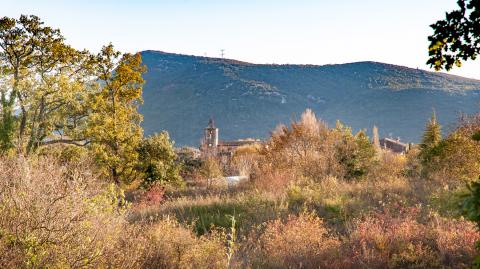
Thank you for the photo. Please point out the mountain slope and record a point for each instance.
(248, 100)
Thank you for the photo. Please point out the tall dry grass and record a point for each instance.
(54, 215)
(297, 242)
(61, 215)
(381, 240)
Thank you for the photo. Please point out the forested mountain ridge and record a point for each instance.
(249, 100)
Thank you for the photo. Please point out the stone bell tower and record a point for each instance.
(210, 138)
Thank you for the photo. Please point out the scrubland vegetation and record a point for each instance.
(80, 187)
(318, 197)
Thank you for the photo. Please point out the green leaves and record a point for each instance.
(456, 38)
(432, 137)
(68, 96)
(158, 161)
(471, 204)
(476, 136)
(47, 80)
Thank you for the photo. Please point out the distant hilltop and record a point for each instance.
(249, 100)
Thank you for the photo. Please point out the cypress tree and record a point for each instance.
(432, 135)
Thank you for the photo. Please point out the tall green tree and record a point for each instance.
(114, 126)
(432, 136)
(58, 97)
(429, 147)
(51, 93)
(354, 152)
(457, 37)
(45, 80)
(365, 154)
(19, 40)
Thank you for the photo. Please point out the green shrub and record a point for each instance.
(158, 161)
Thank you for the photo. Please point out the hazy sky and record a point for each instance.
(303, 32)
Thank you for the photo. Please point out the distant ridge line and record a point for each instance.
(238, 62)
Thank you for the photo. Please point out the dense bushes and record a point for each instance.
(310, 149)
(312, 167)
(62, 216)
(380, 240)
(457, 156)
(172, 246)
(402, 241)
(56, 216)
(158, 161)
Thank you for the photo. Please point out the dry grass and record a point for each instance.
(60, 215)
(400, 240)
(55, 215)
(172, 246)
(297, 242)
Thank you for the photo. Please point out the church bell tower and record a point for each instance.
(210, 136)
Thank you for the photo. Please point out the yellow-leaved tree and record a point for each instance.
(114, 126)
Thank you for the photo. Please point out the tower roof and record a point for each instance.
(211, 123)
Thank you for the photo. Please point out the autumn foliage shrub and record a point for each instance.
(389, 166)
(384, 241)
(455, 241)
(306, 148)
(310, 149)
(405, 239)
(387, 240)
(169, 245)
(297, 242)
(245, 159)
(54, 216)
(153, 196)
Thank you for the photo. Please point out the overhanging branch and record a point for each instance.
(80, 143)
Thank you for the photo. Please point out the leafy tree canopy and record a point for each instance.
(457, 37)
(158, 160)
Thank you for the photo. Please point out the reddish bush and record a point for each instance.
(388, 241)
(299, 242)
(384, 241)
(456, 242)
(153, 196)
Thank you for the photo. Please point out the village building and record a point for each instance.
(211, 146)
(394, 145)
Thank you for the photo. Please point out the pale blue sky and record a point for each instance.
(301, 32)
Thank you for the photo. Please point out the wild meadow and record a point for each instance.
(317, 197)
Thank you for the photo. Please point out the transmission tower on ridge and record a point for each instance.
(222, 52)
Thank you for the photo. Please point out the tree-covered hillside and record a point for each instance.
(247, 100)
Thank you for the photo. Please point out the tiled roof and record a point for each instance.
(393, 145)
